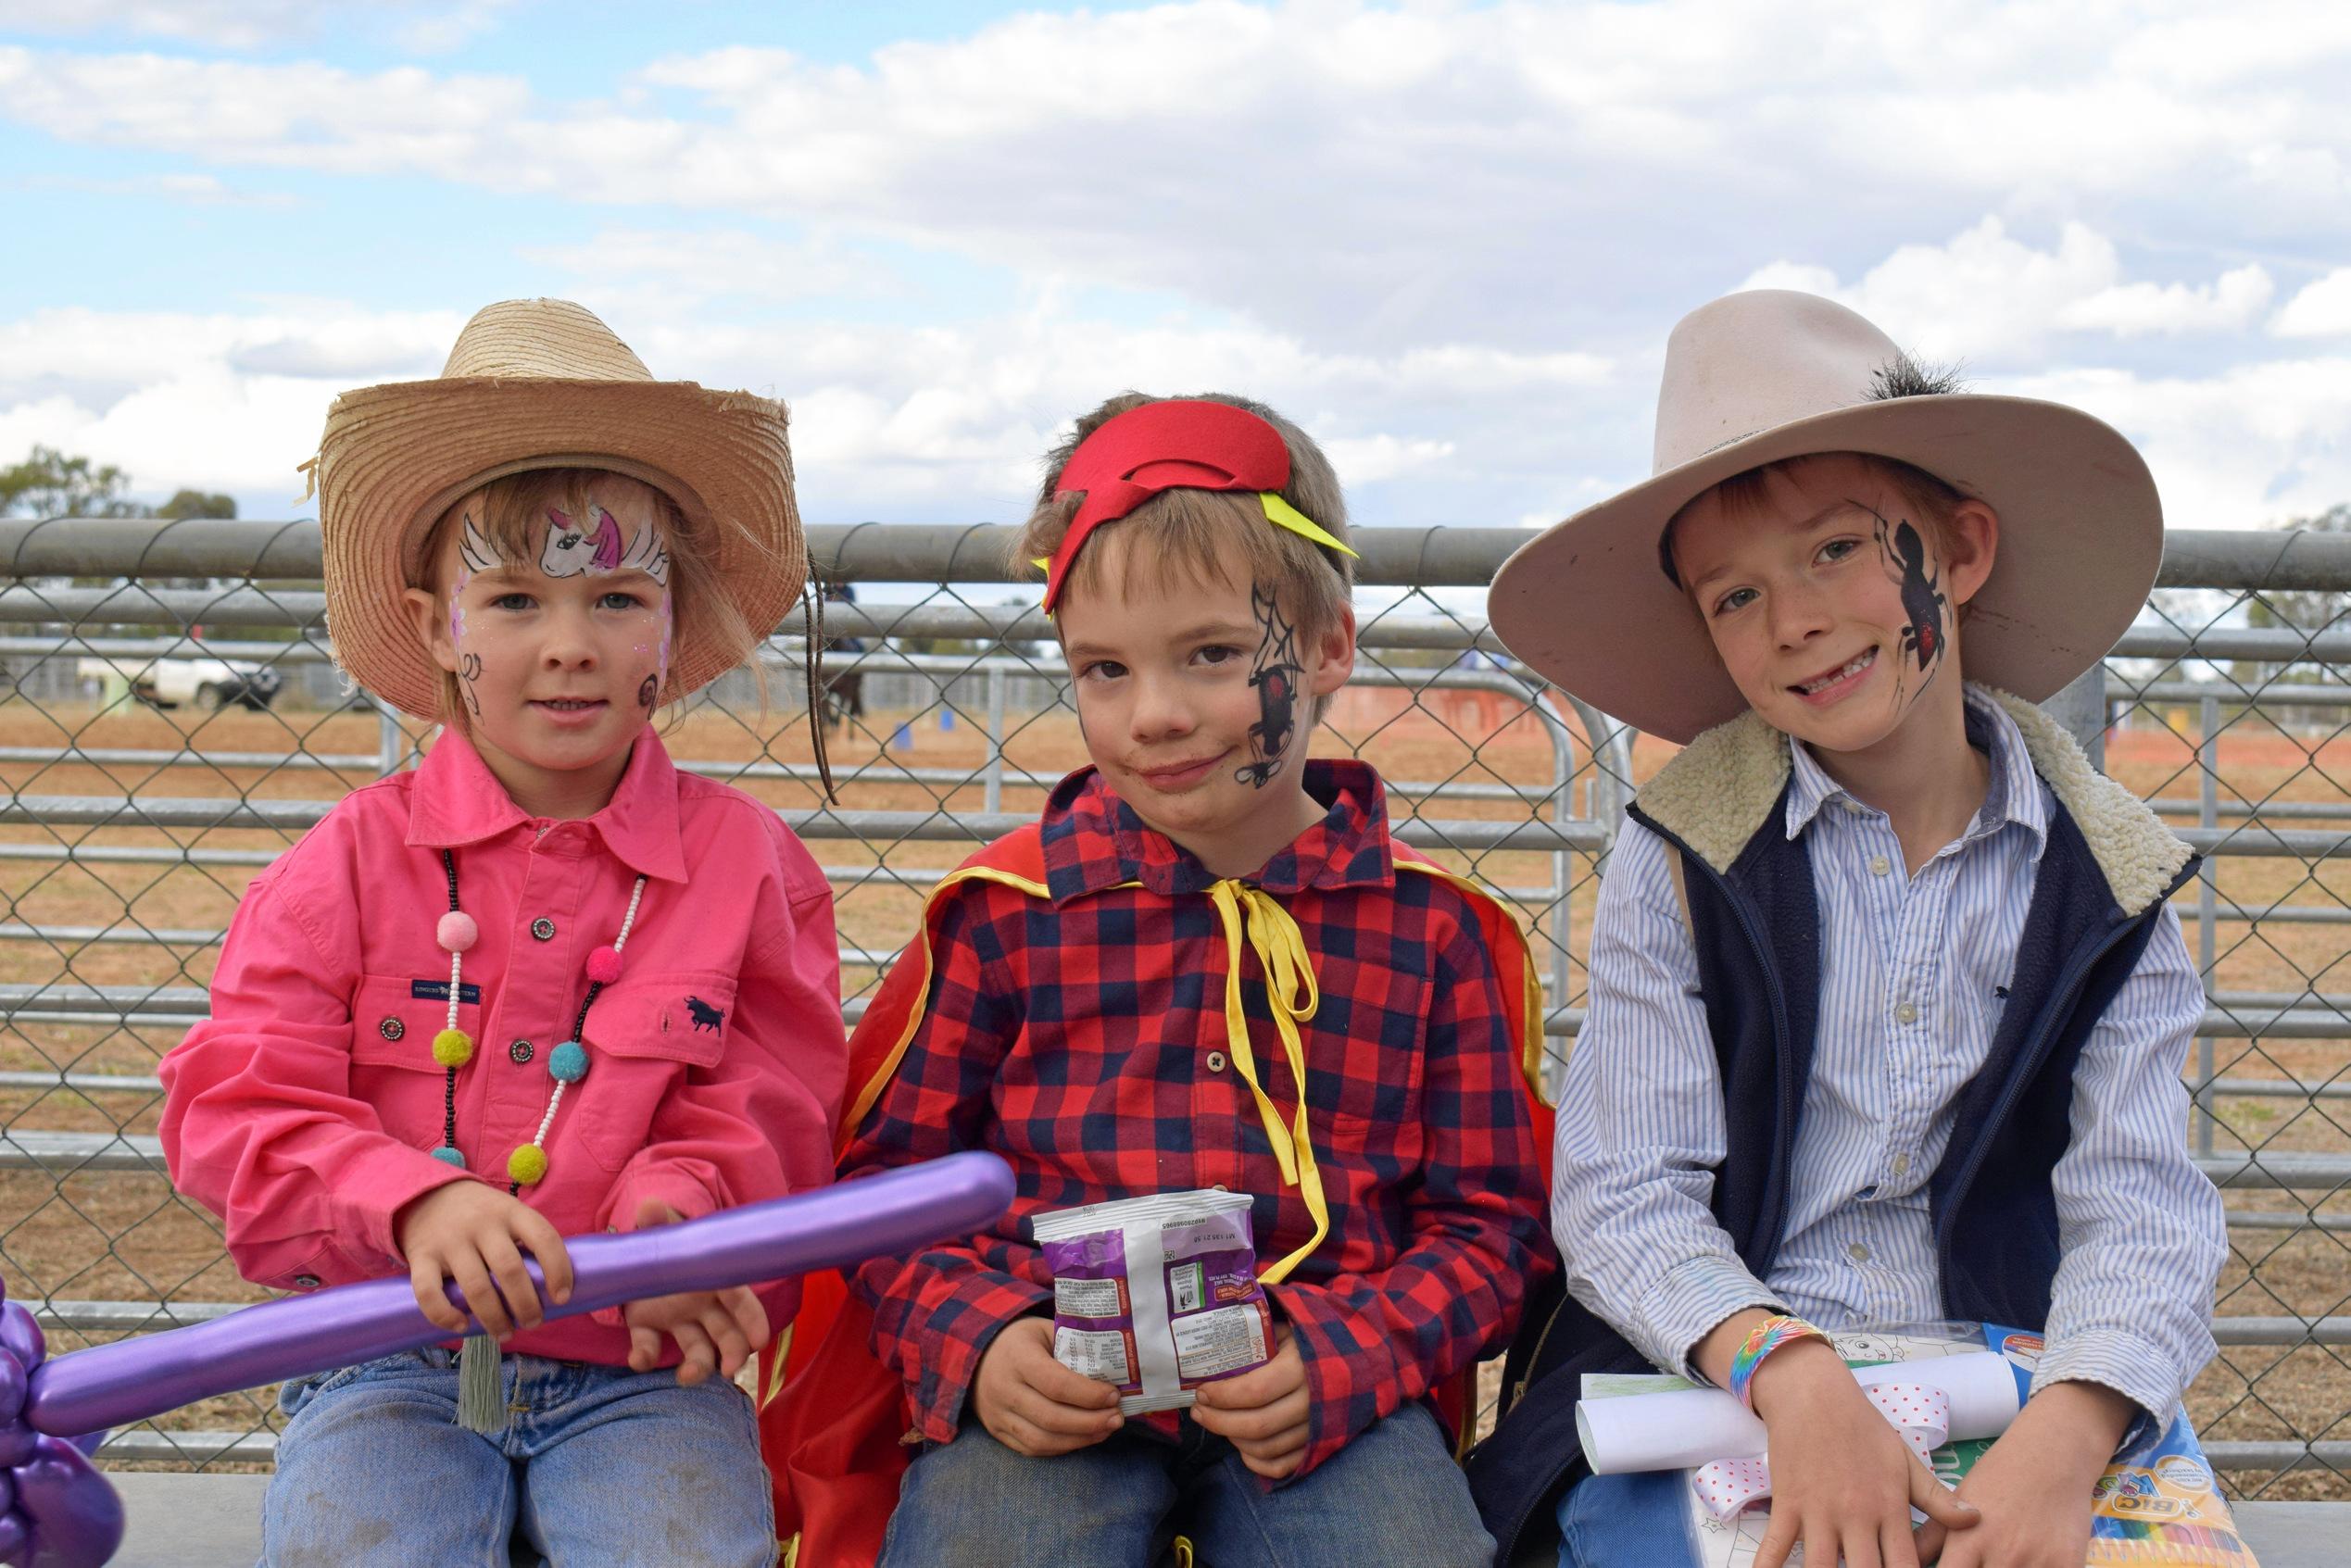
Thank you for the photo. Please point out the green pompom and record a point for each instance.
(526, 1164)
(453, 1048)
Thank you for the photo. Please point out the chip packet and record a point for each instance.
(1156, 1295)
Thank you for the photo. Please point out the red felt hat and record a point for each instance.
(1178, 443)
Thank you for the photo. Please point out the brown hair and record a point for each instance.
(1183, 538)
(1936, 500)
(1202, 535)
(511, 511)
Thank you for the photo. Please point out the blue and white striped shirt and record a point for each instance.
(1912, 974)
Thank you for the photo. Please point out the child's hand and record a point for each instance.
(1262, 1412)
(475, 1234)
(1843, 1482)
(715, 1330)
(1034, 1405)
(2033, 1485)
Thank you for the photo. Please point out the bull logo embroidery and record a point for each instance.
(705, 1016)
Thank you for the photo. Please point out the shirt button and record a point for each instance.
(1901, 1163)
(1216, 1062)
(1879, 865)
(391, 1028)
(1850, 804)
(519, 1052)
(544, 929)
(1906, 1014)
(306, 1282)
(1858, 1252)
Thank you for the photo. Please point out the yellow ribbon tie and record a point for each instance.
(1291, 996)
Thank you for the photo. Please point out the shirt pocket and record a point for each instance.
(392, 1065)
(643, 1037)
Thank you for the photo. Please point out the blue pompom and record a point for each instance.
(567, 1064)
(448, 1155)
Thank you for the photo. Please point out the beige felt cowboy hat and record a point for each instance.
(1759, 377)
(541, 384)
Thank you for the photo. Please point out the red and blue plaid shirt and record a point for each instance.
(1082, 1038)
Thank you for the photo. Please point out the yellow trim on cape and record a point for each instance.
(888, 1069)
(1530, 984)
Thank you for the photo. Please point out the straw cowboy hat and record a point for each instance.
(1769, 374)
(541, 384)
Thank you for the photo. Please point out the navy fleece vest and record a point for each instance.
(1757, 933)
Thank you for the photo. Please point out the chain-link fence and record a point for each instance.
(173, 720)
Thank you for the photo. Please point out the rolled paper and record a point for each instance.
(1689, 1427)
(833, 1227)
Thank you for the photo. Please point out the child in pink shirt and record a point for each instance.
(545, 984)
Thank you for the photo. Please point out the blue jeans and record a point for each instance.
(1393, 1495)
(1627, 1522)
(597, 1465)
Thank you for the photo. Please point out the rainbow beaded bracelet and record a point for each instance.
(1761, 1340)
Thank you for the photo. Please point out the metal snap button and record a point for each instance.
(306, 1282)
(391, 1028)
(519, 1052)
(544, 929)
(1216, 1062)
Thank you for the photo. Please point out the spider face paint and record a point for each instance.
(1273, 676)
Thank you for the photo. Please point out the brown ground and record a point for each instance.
(124, 1235)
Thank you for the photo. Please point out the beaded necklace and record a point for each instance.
(567, 1064)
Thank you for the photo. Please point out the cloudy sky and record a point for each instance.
(1449, 238)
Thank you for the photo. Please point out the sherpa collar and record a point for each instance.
(1717, 793)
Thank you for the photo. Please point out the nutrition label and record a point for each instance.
(1090, 1298)
(1228, 1339)
(1093, 1353)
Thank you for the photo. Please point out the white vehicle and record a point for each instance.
(207, 683)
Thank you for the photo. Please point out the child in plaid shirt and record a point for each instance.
(1091, 1001)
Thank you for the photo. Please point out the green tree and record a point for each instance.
(49, 483)
(2305, 610)
(196, 503)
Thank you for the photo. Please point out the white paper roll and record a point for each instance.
(1695, 1427)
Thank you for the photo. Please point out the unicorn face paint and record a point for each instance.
(572, 548)
(560, 659)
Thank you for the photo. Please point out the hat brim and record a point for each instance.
(395, 457)
(1587, 605)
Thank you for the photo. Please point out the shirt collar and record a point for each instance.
(1093, 840)
(457, 800)
(2013, 794)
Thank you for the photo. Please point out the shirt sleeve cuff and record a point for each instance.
(2122, 1362)
(1694, 1299)
(372, 1191)
(945, 1384)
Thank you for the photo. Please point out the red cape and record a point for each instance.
(832, 1419)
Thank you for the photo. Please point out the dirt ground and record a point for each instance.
(124, 1235)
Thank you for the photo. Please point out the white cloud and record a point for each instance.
(1985, 295)
(1381, 176)
(421, 26)
(2320, 309)
(945, 423)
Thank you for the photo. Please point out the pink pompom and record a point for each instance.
(604, 965)
(457, 933)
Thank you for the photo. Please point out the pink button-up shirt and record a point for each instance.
(305, 1109)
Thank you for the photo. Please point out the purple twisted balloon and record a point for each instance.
(56, 1511)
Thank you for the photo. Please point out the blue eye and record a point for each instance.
(512, 601)
(1838, 549)
(1738, 599)
(617, 599)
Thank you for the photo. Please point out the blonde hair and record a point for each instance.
(510, 513)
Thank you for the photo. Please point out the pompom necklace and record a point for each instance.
(480, 1405)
